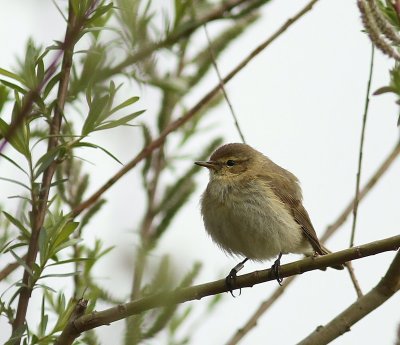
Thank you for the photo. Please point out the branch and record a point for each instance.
(363, 192)
(6, 271)
(264, 306)
(341, 324)
(39, 208)
(105, 317)
(67, 336)
(189, 27)
(360, 154)
(185, 118)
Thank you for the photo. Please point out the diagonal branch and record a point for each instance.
(219, 12)
(156, 143)
(363, 192)
(341, 324)
(105, 317)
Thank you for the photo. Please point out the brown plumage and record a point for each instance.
(253, 207)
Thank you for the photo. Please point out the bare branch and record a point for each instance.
(360, 154)
(354, 279)
(105, 317)
(364, 191)
(6, 271)
(341, 324)
(214, 62)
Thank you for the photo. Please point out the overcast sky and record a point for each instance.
(300, 102)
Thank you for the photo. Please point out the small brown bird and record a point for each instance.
(253, 208)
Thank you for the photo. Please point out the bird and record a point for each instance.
(253, 208)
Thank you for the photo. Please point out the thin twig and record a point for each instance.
(360, 155)
(252, 322)
(354, 279)
(6, 271)
(363, 192)
(341, 324)
(214, 62)
(349, 266)
(264, 306)
(185, 118)
(105, 317)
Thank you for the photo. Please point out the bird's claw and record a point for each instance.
(230, 280)
(275, 268)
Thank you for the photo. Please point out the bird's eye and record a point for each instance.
(230, 163)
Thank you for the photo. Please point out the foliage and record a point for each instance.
(123, 47)
(382, 23)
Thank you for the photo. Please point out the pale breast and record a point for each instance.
(251, 221)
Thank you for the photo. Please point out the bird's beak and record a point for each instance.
(208, 165)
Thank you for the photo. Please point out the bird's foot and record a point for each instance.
(275, 268)
(230, 280)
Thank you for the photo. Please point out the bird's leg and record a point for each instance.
(275, 268)
(230, 280)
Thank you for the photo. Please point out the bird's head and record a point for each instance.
(232, 162)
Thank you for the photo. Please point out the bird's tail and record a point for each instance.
(327, 251)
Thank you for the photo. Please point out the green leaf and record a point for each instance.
(68, 261)
(4, 96)
(11, 75)
(101, 10)
(14, 86)
(43, 318)
(21, 262)
(66, 231)
(16, 141)
(97, 108)
(123, 121)
(178, 320)
(45, 287)
(386, 89)
(14, 163)
(44, 162)
(43, 246)
(17, 223)
(52, 82)
(147, 163)
(86, 144)
(91, 212)
(66, 244)
(16, 182)
(58, 182)
(124, 104)
(58, 275)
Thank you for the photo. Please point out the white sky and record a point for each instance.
(300, 102)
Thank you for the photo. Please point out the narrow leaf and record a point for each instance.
(124, 104)
(11, 75)
(17, 223)
(123, 121)
(21, 262)
(86, 144)
(16, 182)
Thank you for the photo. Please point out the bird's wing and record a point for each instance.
(285, 185)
